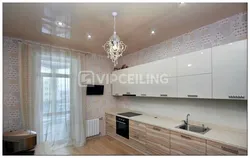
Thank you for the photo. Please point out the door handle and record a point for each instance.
(236, 96)
(157, 129)
(185, 137)
(192, 96)
(163, 95)
(229, 150)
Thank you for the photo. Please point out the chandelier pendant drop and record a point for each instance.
(114, 46)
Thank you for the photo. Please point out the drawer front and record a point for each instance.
(137, 126)
(214, 148)
(110, 117)
(187, 145)
(158, 135)
(157, 149)
(137, 135)
(157, 140)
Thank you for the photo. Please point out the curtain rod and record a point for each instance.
(53, 46)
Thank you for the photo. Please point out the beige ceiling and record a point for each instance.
(134, 22)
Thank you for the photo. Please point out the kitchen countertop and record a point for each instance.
(220, 134)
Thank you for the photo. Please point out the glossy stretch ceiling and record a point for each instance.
(135, 21)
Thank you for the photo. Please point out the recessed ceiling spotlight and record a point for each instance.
(182, 2)
(60, 24)
(89, 36)
(152, 32)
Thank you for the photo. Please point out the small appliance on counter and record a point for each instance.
(20, 142)
(122, 124)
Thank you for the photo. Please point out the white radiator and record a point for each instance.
(93, 127)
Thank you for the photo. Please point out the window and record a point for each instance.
(55, 76)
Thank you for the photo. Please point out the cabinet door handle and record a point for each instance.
(185, 137)
(233, 96)
(157, 129)
(192, 95)
(163, 95)
(230, 150)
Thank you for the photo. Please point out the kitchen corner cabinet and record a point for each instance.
(230, 71)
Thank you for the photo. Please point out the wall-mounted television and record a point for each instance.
(95, 89)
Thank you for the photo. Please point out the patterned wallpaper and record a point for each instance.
(227, 30)
(11, 97)
(96, 105)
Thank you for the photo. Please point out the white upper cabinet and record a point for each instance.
(195, 86)
(117, 88)
(168, 89)
(153, 89)
(155, 68)
(165, 66)
(194, 63)
(219, 72)
(230, 70)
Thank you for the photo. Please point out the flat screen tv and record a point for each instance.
(95, 89)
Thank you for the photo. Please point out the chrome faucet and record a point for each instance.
(186, 122)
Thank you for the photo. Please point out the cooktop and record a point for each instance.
(129, 114)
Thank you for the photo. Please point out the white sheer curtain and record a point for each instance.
(52, 101)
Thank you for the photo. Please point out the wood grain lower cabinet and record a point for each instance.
(153, 140)
(110, 124)
(183, 144)
(137, 135)
(157, 140)
(214, 148)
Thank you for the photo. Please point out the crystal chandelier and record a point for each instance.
(114, 47)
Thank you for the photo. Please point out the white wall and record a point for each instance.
(220, 112)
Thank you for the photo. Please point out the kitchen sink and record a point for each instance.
(193, 128)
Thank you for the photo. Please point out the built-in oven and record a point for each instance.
(122, 127)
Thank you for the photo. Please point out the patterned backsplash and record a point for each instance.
(227, 30)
